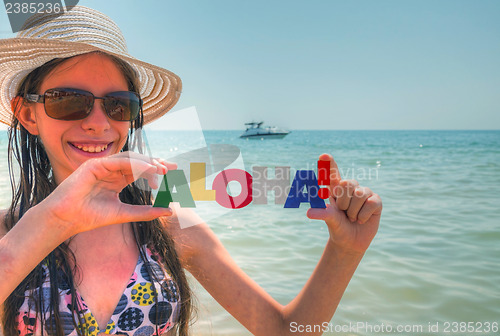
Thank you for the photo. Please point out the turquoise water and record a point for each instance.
(435, 259)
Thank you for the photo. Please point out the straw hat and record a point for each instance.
(78, 31)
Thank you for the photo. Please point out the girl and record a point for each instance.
(82, 250)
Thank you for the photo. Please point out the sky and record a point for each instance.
(357, 65)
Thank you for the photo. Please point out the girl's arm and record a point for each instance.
(23, 247)
(253, 307)
(206, 258)
(86, 200)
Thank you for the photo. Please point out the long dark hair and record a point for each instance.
(36, 182)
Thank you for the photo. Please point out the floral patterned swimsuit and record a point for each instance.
(137, 312)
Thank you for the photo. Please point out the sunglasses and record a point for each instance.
(74, 104)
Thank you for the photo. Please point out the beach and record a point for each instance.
(434, 261)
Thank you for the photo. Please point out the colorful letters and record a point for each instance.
(174, 187)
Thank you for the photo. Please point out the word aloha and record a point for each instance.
(174, 187)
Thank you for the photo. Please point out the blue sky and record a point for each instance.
(322, 64)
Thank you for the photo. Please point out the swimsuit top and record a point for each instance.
(137, 312)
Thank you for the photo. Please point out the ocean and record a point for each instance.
(432, 269)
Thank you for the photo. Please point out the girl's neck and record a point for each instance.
(104, 241)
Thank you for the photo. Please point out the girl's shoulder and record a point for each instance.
(4, 213)
(3, 229)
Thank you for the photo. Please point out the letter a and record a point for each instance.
(174, 179)
(304, 178)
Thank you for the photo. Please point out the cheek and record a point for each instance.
(49, 131)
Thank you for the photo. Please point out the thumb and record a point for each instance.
(139, 213)
(316, 213)
(335, 177)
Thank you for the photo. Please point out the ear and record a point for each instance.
(25, 113)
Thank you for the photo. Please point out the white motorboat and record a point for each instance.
(255, 131)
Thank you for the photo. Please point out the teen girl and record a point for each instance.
(82, 250)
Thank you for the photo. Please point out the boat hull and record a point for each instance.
(264, 136)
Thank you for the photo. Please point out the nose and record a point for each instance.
(97, 121)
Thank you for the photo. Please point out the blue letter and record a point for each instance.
(296, 196)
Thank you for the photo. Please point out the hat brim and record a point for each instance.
(159, 88)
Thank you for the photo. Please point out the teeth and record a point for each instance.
(92, 149)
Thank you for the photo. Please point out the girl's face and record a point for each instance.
(70, 143)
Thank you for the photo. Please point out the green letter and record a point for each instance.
(174, 179)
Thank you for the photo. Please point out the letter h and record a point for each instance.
(262, 184)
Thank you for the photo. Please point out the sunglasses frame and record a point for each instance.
(36, 98)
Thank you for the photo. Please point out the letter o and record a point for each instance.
(220, 186)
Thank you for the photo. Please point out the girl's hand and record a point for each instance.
(353, 214)
(89, 197)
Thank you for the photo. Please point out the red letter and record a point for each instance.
(220, 186)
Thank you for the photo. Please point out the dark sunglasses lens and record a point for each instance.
(122, 106)
(64, 104)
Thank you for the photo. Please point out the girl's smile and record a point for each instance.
(93, 149)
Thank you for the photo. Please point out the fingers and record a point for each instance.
(358, 199)
(127, 167)
(343, 193)
(136, 213)
(162, 165)
(359, 203)
(372, 206)
(335, 177)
